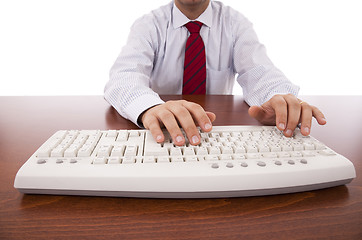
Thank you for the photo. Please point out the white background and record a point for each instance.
(66, 47)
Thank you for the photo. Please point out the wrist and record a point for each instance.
(141, 116)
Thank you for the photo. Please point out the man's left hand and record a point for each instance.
(286, 112)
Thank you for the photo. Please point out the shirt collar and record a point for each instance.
(179, 19)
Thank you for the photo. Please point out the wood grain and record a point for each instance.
(26, 122)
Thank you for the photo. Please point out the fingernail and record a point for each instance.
(195, 139)
(324, 119)
(179, 139)
(306, 130)
(281, 126)
(207, 126)
(158, 138)
(289, 132)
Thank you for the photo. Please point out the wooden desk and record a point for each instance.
(26, 122)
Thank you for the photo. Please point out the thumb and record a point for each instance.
(256, 112)
(211, 116)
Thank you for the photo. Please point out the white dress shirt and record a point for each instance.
(151, 62)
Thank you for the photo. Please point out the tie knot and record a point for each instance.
(194, 26)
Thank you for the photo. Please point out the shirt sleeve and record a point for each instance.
(258, 77)
(128, 89)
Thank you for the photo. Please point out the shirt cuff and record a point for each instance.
(293, 90)
(257, 101)
(139, 105)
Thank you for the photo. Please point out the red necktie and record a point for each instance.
(194, 80)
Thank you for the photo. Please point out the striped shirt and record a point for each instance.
(151, 63)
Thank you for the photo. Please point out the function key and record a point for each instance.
(122, 136)
(303, 161)
(59, 161)
(73, 160)
(41, 161)
(279, 163)
(149, 159)
(229, 165)
(327, 152)
(243, 164)
(261, 164)
(100, 160)
(128, 160)
(215, 165)
(111, 133)
(114, 160)
(134, 133)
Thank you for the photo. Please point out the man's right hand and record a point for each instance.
(176, 114)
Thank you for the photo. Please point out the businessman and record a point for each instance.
(198, 47)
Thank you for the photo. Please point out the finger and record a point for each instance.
(152, 123)
(305, 119)
(211, 115)
(280, 106)
(257, 112)
(186, 121)
(319, 116)
(294, 110)
(168, 119)
(199, 116)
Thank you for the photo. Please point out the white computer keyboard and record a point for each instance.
(231, 161)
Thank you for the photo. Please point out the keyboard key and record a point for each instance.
(240, 149)
(211, 158)
(131, 150)
(309, 146)
(177, 159)
(104, 151)
(191, 159)
(201, 151)
(225, 157)
(303, 161)
(117, 151)
(327, 152)
(85, 151)
(263, 148)
(163, 159)
(214, 150)
(44, 152)
(73, 160)
(270, 155)
(261, 164)
(308, 154)
(58, 152)
(71, 151)
(239, 157)
(41, 161)
(229, 165)
(215, 165)
(188, 151)
(253, 155)
(283, 155)
(114, 160)
(100, 160)
(295, 154)
(122, 136)
(319, 146)
(243, 164)
(227, 150)
(175, 151)
(149, 159)
(128, 160)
